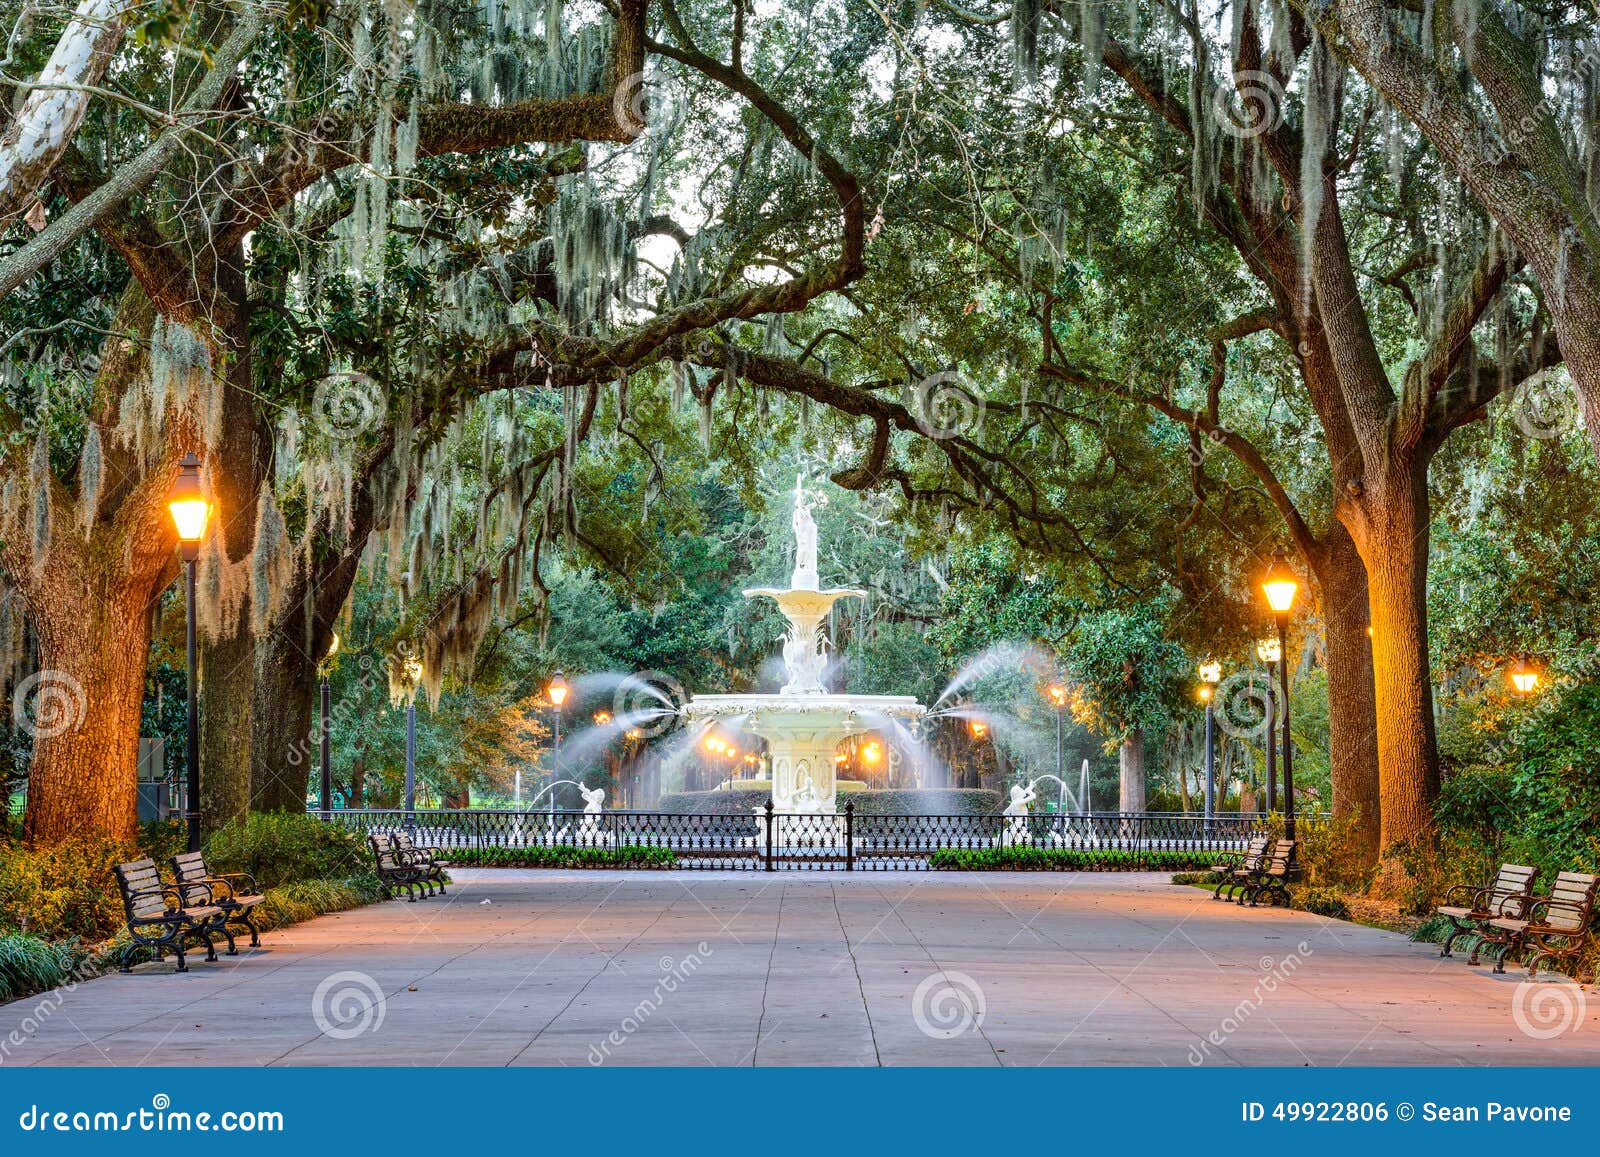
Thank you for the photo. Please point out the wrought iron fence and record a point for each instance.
(842, 841)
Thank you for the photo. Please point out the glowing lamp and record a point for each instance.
(1268, 651)
(978, 728)
(871, 753)
(1057, 693)
(1205, 692)
(187, 504)
(601, 718)
(1280, 585)
(1211, 671)
(557, 690)
(1524, 678)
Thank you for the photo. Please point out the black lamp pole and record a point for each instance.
(191, 742)
(1288, 742)
(326, 735)
(1272, 741)
(1060, 783)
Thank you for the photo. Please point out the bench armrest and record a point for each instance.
(229, 878)
(1466, 896)
(1538, 917)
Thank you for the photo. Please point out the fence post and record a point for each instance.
(770, 865)
(849, 835)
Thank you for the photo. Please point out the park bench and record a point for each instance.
(235, 893)
(1556, 927)
(1247, 859)
(1271, 877)
(159, 918)
(1467, 906)
(396, 868)
(425, 858)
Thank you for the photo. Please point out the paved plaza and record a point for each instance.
(658, 968)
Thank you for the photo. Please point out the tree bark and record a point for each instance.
(85, 703)
(285, 746)
(1392, 518)
(1130, 760)
(236, 465)
(1352, 702)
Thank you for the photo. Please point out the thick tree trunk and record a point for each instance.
(1394, 544)
(285, 745)
(1130, 759)
(228, 663)
(1352, 706)
(83, 705)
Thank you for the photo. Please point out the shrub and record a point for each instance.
(1321, 902)
(30, 964)
(1190, 878)
(626, 856)
(65, 890)
(280, 848)
(1030, 859)
(305, 899)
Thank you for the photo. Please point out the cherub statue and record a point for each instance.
(1016, 830)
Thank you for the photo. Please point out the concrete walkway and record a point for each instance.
(635, 968)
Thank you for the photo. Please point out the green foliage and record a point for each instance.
(1321, 902)
(280, 848)
(625, 856)
(29, 963)
(63, 891)
(1028, 859)
(304, 899)
(1128, 669)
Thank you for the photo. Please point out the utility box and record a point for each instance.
(155, 791)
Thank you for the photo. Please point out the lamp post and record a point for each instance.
(1281, 585)
(1058, 698)
(413, 677)
(1269, 651)
(189, 509)
(1210, 676)
(325, 725)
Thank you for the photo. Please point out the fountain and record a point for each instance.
(804, 722)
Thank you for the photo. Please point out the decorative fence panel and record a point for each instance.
(843, 841)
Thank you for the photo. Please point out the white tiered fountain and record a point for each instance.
(803, 723)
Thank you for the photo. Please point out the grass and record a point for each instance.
(31, 964)
(625, 856)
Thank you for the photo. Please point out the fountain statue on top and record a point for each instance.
(805, 659)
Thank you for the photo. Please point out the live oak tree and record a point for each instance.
(178, 370)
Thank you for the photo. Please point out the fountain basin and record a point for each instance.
(802, 734)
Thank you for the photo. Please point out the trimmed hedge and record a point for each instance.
(950, 801)
(1026, 859)
(626, 856)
